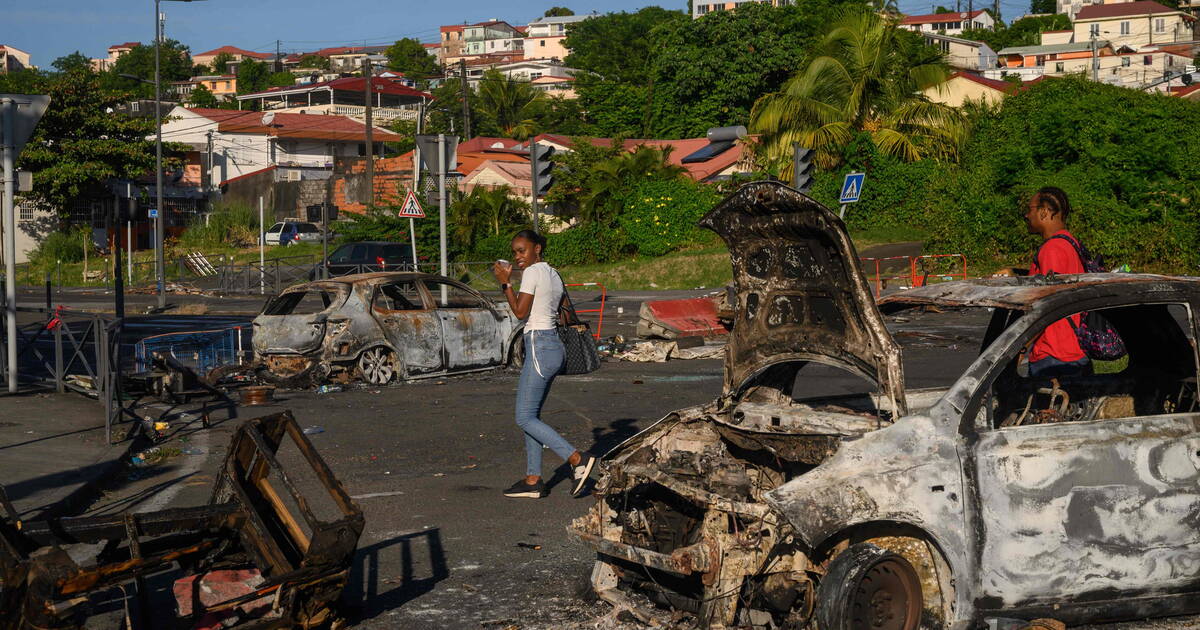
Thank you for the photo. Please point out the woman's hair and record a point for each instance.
(532, 237)
(1054, 200)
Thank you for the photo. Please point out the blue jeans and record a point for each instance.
(544, 356)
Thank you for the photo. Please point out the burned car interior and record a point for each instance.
(1158, 375)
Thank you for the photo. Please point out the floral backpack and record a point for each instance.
(1097, 338)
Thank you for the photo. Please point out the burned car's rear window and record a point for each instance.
(307, 302)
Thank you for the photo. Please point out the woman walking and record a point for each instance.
(541, 292)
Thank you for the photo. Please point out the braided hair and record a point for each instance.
(1055, 200)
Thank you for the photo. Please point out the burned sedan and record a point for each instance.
(379, 327)
(1000, 496)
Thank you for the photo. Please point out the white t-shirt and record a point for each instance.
(542, 282)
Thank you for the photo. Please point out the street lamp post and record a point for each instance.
(160, 215)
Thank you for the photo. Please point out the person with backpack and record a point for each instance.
(1056, 352)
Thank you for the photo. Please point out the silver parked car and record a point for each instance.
(382, 326)
(1000, 496)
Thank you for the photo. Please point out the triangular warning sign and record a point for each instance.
(851, 190)
(411, 207)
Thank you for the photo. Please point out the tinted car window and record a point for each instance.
(306, 228)
(396, 253)
(301, 302)
(278, 227)
(456, 297)
(359, 252)
(340, 254)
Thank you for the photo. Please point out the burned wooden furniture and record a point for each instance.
(302, 553)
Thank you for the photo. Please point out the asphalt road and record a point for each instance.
(427, 462)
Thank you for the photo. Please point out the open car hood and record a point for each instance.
(801, 294)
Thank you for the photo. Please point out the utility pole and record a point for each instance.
(996, 10)
(442, 210)
(160, 212)
(8, 111)
(970, 7)
(1095, 60)
(367, 116)
(462, 68)
(278, 59)
(208, 178)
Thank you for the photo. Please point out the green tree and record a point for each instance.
(485, 212)
(410, 57)
(558, 12)
(79, 144)
(616, 175)
(511, 104)
(27, 81)
(1043, 6)
(252, 76)
(406, 128)
(281, 79)
(314, 61)
(618, 46)
(573, 172)
(73, 61)
(866, 75)
(202, 97)
(175, 65)
(220, 63)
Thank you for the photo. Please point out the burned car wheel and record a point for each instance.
(869, 587)
(377, 365)
(516, 352)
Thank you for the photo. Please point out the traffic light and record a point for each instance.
(802, 168)
(543, 168)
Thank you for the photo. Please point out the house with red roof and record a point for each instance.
(345, 96)
(1133, 25)
(704, 160)
(237, 54)
(953, 23)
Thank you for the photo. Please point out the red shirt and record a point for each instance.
(1058, 256)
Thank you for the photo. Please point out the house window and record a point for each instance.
(1094, 30)
(1125, 62)
(1124, 28)
(542, 43)
(535, 75)
(1058, 67)
(1041, 60)
(1147, 60)
(1160, 25)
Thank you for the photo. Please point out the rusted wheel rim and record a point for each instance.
(888, 597)
(377, 366)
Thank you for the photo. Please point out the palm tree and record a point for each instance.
(484, 212)
(865, 77)
(511, 103)
(612, 177)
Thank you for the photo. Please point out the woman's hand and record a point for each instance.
(502, 271)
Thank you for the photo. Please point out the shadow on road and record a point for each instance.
(368, 594)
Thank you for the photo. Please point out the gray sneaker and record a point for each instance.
(522, 490)
(582, 472)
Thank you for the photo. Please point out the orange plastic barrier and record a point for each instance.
(598, 311)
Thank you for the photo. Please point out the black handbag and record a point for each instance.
(579, 347)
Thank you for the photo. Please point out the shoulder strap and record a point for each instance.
(1080, 251)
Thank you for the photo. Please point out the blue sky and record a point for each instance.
(51, 29)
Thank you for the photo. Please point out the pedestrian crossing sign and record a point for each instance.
(411, 207)
(852, 187)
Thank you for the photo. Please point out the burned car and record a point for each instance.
(381, 326)
(1000, 496)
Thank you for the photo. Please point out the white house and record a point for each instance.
(953, 23)
(245, 142)
(963, 54)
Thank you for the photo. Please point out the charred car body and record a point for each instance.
(1000, 496)
(382, 326)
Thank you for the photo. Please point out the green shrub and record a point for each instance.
(1129, 161)
(66, 246)
(228, 224)
(585, 244)
(498, 246)
(660, 216)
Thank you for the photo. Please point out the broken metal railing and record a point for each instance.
(916, 271)
(269, 277)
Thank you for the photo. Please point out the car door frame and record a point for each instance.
(1138, 601)
(421, 322)
(448, 317)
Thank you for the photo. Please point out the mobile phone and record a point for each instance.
(503, 262)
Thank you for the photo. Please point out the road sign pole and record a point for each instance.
(262, 244)
(8, 111)
(842, 212)
(412, 234)
(533, 164)
(442, 208)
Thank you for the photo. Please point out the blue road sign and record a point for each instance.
(852, 187)
(153, 213)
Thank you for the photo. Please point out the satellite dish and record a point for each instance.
(268, 118)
